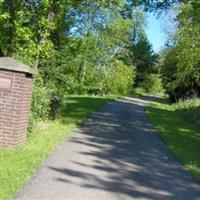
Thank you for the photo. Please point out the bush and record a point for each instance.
(139, 91)
(39, 105)
(55, 104)
(152, 84)
(31, 122)
(181, 80)
(120, 78)
(45, 103)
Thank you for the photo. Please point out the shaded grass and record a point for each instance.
(17, 166)
(189, 109)
(179, 134)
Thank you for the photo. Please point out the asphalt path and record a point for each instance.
(114, 155)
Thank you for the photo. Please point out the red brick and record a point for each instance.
(14, 109)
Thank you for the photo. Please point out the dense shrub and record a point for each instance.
(55, 103)
(181, 63)
(120, 78)
(152, 84)
(179, 83)
(46, 102)
(39, 105)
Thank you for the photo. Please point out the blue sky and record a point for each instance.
(155, 31)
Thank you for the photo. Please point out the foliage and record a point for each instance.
(54, 105)
(155, 5)
(138, 51)
(188, 47)
(179, 134)
(40, 103)
(21, 29)
(86, 61)
(72, 43)
(39, 106)
(17, 166)
(79, 47)
(144, 58)
(152, 84)
(45, 103)
(120, 78)
(181, 72)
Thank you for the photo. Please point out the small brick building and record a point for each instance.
(16, 80)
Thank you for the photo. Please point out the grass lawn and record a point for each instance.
(17, 166)
(179, 133)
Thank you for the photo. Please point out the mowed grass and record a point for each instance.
(17, 166)
(179, 127)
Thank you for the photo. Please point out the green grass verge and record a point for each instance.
(17, 166)
(181, 135)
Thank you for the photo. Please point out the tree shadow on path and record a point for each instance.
(116, 150)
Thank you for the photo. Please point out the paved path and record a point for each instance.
(114, 155)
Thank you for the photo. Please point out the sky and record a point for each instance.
(155, 32)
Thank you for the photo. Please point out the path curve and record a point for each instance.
(113, 155)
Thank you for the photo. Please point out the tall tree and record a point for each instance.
(185, 81)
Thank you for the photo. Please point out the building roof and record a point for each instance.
(10, 64)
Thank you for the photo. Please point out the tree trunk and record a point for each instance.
(10, 30)
(81, 72)
(45, 34)
(134, 36)
(1, 53)
(175, 97)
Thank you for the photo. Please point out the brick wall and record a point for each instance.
(14, 109)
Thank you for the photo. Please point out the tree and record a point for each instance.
(72, 43)
(181, 68)
(30, 29)
(141, 55)
(120, 78)
(154, 5)
(84, 58)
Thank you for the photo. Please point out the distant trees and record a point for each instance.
(144, 58)
(70, 42)
(96, 32)
(138, 51)
(100, 47)
(76, 44)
